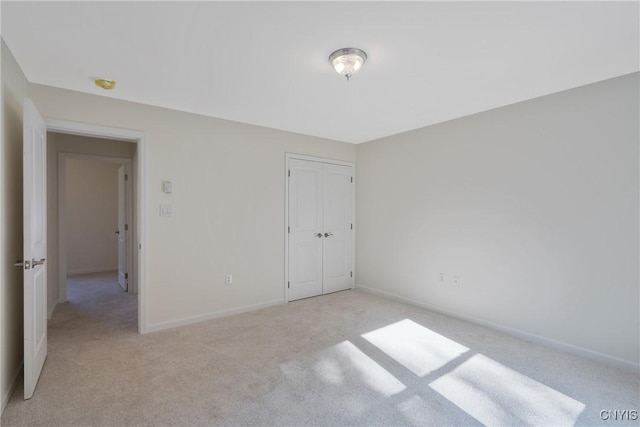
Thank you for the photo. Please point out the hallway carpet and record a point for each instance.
(348, 358)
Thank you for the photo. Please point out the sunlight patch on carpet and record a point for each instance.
(417, 348)
(371, 373)
(347, 358)
(496, 395)
(416, 411)
(330, 371)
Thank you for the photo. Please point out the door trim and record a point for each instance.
(140, 176)
(293, 156)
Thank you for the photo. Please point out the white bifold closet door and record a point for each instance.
(320, 228)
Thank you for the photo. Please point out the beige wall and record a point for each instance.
(534, 206)
(14, 90)
(91, 202)
(228, 199)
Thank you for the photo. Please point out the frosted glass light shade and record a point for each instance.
(347, 61)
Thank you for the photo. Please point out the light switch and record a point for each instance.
(166, 210)
(167, 187)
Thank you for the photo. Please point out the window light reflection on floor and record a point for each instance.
(417, 412)
(496, 395)
(346, 357)
(330, 371)
(417, 348)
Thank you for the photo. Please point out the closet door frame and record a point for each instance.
(293, 156)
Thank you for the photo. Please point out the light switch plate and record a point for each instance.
(167, 187)
(166, 210)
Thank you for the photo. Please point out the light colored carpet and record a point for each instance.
(348, 358)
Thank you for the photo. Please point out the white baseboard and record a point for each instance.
(12, 388)
(209, 316)
(51, 310)
(537, 339)
(91, 270)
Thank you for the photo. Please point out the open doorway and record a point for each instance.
(92, 211)
(95, 212)
(95, 208)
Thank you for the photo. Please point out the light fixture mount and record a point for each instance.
(347, 61)
(105, 84)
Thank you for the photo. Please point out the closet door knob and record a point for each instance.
(328, 234)
(318, 235)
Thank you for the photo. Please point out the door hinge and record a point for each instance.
(352, 274)
(288, 229)
(352, 226)
(126, 226)
(289, 173)
(126, 177)
(351, 179)
(126, 275)
(288, 285)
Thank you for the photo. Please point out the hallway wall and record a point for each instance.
(91, 215)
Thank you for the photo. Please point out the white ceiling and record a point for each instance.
(266, 63)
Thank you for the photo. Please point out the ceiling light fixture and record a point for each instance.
(348, 61)
(105, 84)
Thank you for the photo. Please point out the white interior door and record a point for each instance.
(320, 228)
(337, 251)
(305, 229)
(35, 246)
(123, 276)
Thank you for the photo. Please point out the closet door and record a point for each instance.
(305, 228)
(320, 229)
(337, 236)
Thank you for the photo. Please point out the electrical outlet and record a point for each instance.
(457, 280)
(228, 279)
